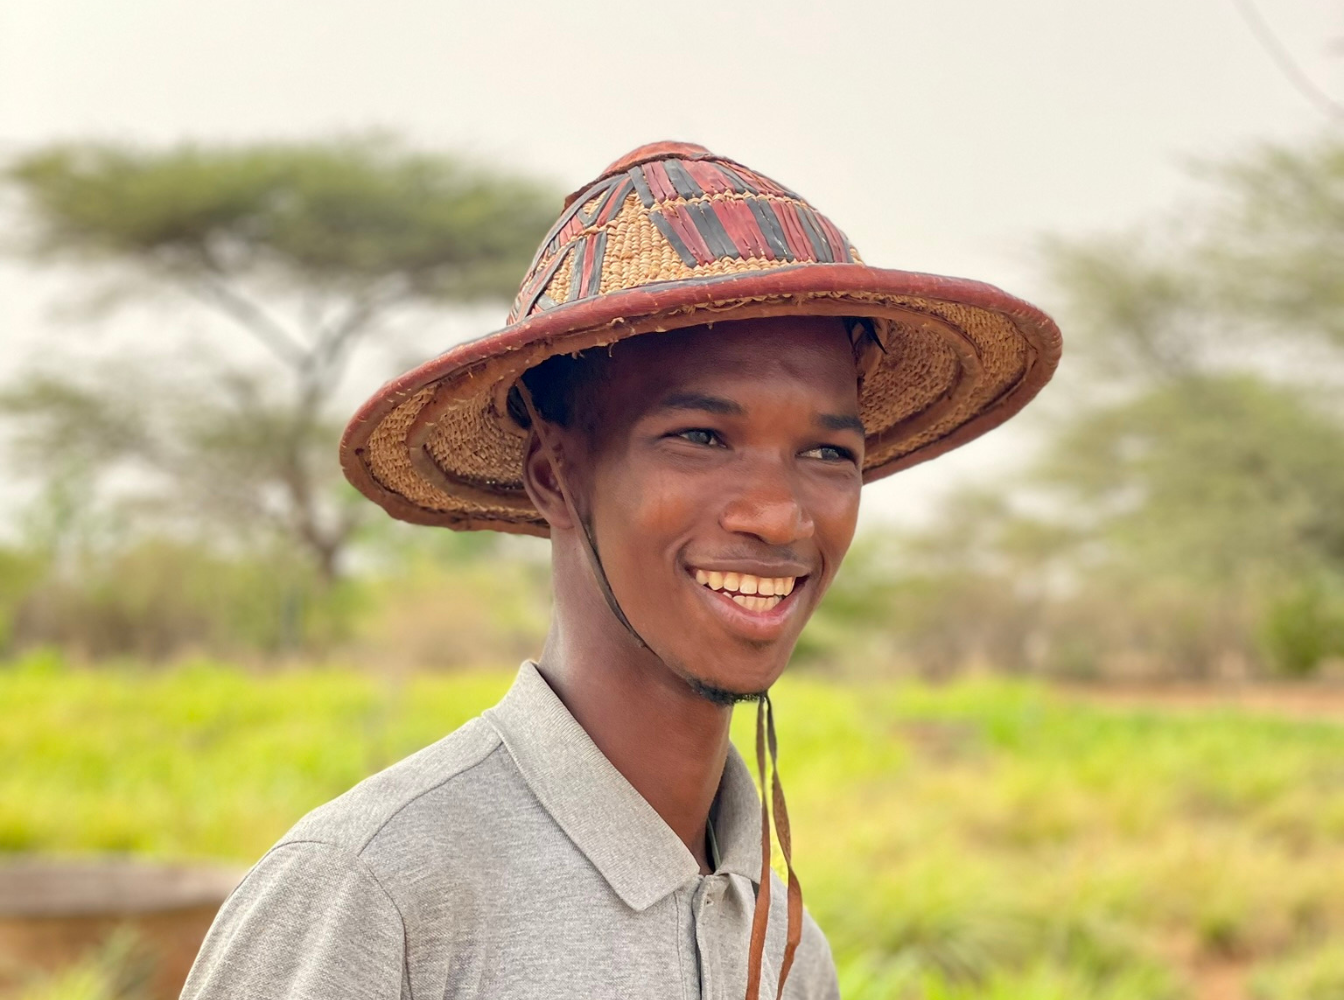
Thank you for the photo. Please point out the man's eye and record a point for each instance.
(698, 435)
(830, 453)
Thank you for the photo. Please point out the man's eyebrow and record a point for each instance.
(698, 401)
(717, 404)
(841, 422)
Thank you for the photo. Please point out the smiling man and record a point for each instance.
(697, 378)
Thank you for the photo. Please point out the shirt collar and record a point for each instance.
(611, 823)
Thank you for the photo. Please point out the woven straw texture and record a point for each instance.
(668, 237)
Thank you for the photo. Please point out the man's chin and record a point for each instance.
(745, 682)
(726, 679)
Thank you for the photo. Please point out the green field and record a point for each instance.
(984, 839)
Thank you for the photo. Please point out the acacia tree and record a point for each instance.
(1187, 506)
(305, 248)
(1222, 464)
(1226, 325)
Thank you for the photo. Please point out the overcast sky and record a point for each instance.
(941, 135)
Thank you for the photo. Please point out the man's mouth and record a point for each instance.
(755, 593)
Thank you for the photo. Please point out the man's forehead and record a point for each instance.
(813, 348)
(715, 369)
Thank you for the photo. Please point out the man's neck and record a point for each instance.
(667, 741)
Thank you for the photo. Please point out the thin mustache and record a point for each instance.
(783, 562)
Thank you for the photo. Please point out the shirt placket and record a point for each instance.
(713, 931)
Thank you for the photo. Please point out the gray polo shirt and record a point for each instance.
(508, 860)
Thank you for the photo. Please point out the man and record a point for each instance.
(696, 379)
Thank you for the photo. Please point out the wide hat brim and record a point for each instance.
(438, 446)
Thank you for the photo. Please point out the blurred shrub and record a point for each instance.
(19, 573)
(471, 610)
(1304, 626)
(893, 609)
(452, 602)
(887, 610)
(445, 600)
(439, 600)
(1140, 627)
(160, 599)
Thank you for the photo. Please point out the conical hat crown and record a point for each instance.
(673, 211)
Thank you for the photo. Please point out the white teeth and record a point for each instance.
(756, 603)
(746, 585)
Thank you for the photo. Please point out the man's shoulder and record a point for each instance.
(813, 973)
(430, 780)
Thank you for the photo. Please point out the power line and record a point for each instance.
(1270, 42)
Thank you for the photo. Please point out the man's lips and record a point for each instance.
(756, 603)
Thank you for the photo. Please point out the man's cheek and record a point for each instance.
(836, 514)
(666, 504)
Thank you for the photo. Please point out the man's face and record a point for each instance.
(723, 483)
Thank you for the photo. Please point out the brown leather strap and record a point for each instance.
(795, 913)
(585, 528)
(758, 921)
(765, 730)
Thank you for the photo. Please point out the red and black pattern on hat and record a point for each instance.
(706, 209)
(760, 219)
(563, 243)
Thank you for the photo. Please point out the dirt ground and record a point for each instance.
(1303, 701)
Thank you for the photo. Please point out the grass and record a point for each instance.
(984, 839)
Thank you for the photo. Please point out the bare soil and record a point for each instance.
(1303, 701)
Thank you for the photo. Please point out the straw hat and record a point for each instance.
(670, 236)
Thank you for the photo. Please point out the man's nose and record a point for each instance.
(768, 506)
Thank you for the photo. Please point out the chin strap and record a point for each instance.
(765, 730)
(765, 724)
(585, 529)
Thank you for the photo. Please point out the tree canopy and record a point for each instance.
(305, 247)
(326, 215)
(1189, 506)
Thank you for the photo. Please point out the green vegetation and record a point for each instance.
(984, 839)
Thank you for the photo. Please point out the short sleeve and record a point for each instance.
(309, 922)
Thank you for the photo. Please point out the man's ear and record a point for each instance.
(543, 488)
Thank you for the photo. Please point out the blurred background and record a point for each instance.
(1068, 724)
